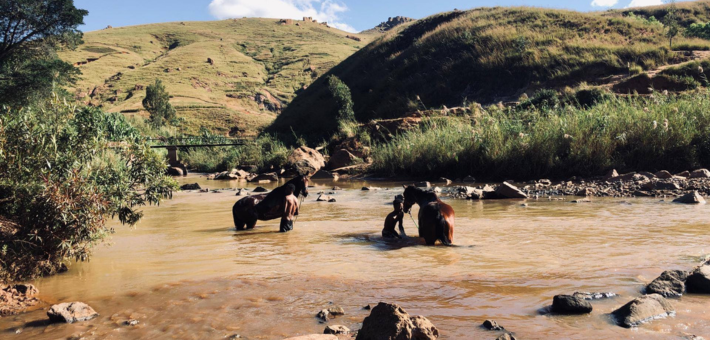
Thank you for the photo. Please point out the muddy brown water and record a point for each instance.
(185, 273)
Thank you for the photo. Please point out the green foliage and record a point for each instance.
(543, 99)
(33, 31)
(647, 21)
(627, 134)
(63, 176)
(157, 102)
(266, 152)
(341, 93)
(671, 23)
(699, 30)
(591, 97)
(635, 69)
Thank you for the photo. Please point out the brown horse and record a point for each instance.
(265, 207)
(436, 218)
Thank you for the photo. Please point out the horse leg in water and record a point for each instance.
(445, 227)
(428, 221)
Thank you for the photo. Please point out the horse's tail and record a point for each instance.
(443, 228)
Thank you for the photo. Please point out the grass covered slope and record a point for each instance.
(258, 66)
(483, 55)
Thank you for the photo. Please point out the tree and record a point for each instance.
(31, 31)
(343, 98)
(671, 22)
(62, 177)
(157, 102)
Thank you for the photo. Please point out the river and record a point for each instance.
(185, 273)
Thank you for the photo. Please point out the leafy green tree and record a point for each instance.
(671, 23)
(157, 102)
(343, 98)
(64, 171)
(31, 31)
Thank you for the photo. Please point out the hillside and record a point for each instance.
(255, 68)
(491, 55)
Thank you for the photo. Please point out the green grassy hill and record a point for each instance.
(491, 55)
(258, 66)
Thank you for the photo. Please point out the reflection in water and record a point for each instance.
(509, 262)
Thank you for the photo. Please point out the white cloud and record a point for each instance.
(321, 10)
(604, 3)
(644, 3)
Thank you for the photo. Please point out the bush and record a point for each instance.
(544, 99)
(591, 97)
(62, 178)
(157, 102)
(558, 143)
(266, 152)
(635, 69)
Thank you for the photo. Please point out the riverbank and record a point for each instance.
(185, 262)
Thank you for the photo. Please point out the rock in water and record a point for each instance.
(671, 284)
(691, 198)
(260, 189)
(389, 321)
(190, 187)
(644, 309)
(266, 177)
(71, 312)
(571, 304)
(506, 336)
(698, 281)
(337, 329)
(492, 326)
(336, 310)
(506, 190)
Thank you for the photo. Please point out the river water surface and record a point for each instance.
(185, 273)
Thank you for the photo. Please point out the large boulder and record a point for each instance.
(392, 322)
(642, 310)
(305, 160)
(664, 174)
(71, 312)
(670, 284)
(194, 186)
(341, 159)
(506, 190)
(691, 198)
(698, 281)
(571, 304)
(700, 173)
(266, 177)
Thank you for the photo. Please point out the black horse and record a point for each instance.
(436, 218)
(265, 207)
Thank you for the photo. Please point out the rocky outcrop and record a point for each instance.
(671, 284)
(391, 23)
(15, 299)
(341, 159)
(642, 310)
(71, 312)
(389, 321)
(571, 304)
(698, 282)
(304, 160)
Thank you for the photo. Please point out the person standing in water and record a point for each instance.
(290, 209)
(397, 216)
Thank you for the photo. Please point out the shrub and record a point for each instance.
(62, 178)
(545, 99)
(635, 69)
(157, 102)
(591, 97)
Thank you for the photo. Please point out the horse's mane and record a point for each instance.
(274, 198)
(421, 193)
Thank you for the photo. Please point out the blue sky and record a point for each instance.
(351, 15)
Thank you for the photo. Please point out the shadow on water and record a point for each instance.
(37, 323)
(252, 233)
(388, 244)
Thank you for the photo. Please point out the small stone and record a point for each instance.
(337, 330)
(491, 325)
(260, 189)
(324, 315)
(671, 283)
(131, 322)
(336, 310)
